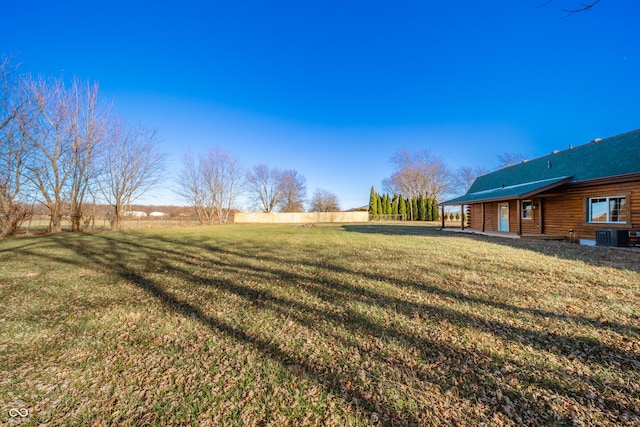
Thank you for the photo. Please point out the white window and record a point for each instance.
(608, 209)
(527, 209)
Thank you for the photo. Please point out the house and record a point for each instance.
(572, 194)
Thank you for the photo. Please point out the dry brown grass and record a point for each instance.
(329, 325)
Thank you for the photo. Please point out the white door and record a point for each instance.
(503, 217)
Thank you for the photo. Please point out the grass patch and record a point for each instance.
(330, 325)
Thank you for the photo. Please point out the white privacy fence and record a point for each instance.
(299, 217)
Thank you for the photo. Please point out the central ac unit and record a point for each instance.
(612, 237)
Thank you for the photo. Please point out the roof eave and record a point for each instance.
(545, 188)
(461, 200)
(614, 179)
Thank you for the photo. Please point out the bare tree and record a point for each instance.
(420, 173)
(293, 190)
(49, 162)
(416, 174)
(224, 178)
(263, 186)
(464, 177)
(324, 201)
(133, 164)
(87, 122)
(9, 107)
(193, 188)
(50, 140)
(13, 115)
(64, 132)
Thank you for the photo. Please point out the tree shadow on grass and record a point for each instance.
(466, 372)
(392, 229)
(436, 290)
(336, 293)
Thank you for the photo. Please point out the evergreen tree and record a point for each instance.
(422, 208)
(414, 206)
(372, 202)
(429, 203)
(435, 211)
(378, 205)
(387, 205)
(402, 207)
(394, 205)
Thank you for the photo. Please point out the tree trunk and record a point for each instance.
(55, 222)
(116, 220)
(5, 216)
(76, 217)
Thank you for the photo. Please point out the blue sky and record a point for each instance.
(333, 88)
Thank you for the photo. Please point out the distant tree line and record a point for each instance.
(62, 147)
(212, 183)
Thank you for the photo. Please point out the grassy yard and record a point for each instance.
(40, 224)
(331, 325)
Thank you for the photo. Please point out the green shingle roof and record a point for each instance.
(603, 158)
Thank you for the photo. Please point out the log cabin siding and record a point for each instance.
(564, 210)
(567, 210)
(532, 226)
(513, 216)
(491, 217)
(475, 216)
(564, 213)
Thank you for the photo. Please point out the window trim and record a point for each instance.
(608, 212)
(523, 210)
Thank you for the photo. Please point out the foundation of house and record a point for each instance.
(505, 234)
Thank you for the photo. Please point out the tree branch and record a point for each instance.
(584, 7)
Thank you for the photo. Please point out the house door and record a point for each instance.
(503, 217)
